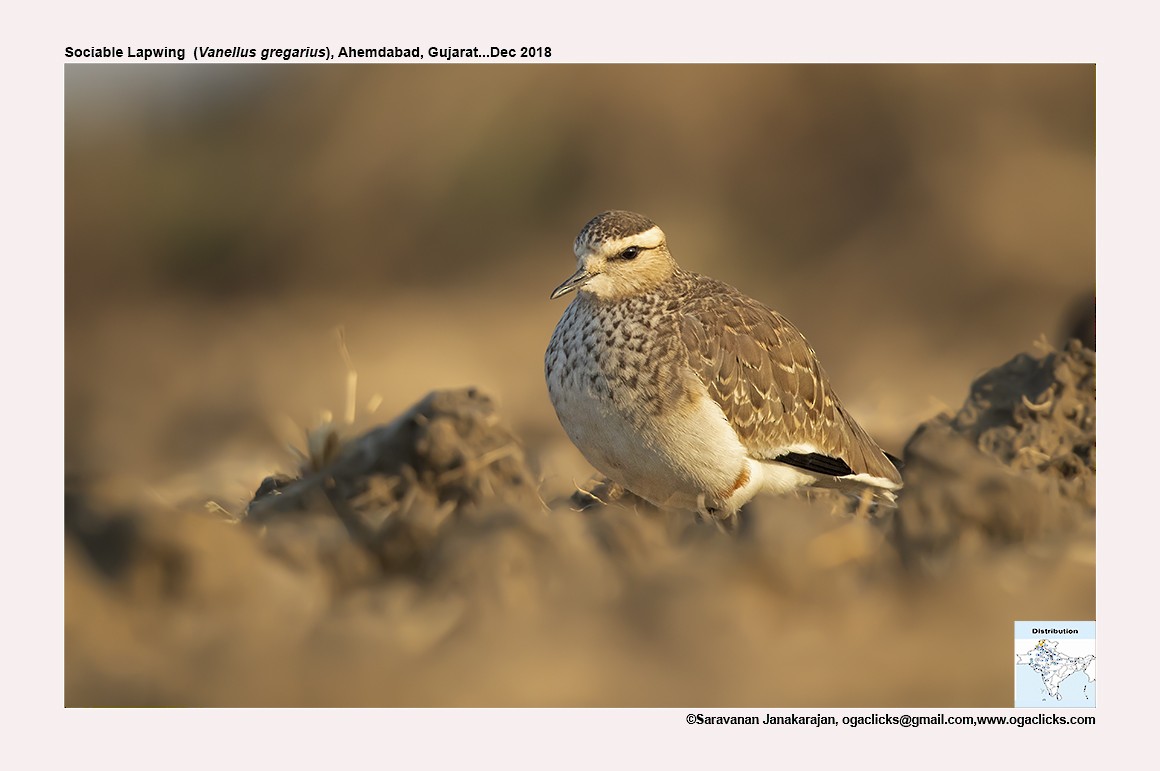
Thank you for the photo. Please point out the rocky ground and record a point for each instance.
(416, 564)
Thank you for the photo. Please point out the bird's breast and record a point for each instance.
(634, 409)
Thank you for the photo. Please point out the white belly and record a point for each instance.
(685, 457)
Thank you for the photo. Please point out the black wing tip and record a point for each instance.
(898, 462)
(817, 463)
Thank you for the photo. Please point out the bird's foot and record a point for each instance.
(600, 492)
(726, 521)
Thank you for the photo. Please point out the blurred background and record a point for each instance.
(919, 223)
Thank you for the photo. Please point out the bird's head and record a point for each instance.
(618, 254)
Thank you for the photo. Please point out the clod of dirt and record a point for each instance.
(394, 486)
(1017, 462)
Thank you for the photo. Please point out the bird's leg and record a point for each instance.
(601, 490)
(726, 521)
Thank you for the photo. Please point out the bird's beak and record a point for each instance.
(575, 281)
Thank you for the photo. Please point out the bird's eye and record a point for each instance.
(629, 253)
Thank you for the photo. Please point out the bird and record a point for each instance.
(690, 394)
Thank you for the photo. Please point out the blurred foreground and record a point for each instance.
(416, 565)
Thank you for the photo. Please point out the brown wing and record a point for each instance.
(765, 376)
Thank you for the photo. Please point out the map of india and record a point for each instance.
(1055, 664)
